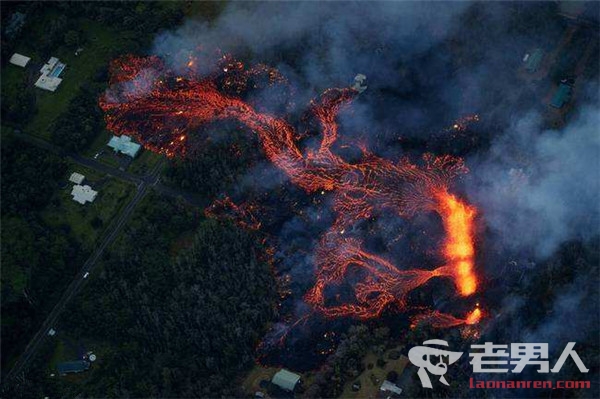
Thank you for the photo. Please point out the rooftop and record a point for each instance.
(19, 60)
(48, 83)
(285, 379)
(124, 145)
(562, 96)
(50, 72)
(76, 178)
(534, 60)
(83, 194)
(390, 387)
(76, 366)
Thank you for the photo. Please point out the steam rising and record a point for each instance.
(537, 204)
(539, 187)
(535, 187)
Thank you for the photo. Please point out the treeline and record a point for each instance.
(346, 363)
(139, 22)
(215, 166)
(22, 106)
(182, 316)
(36, 260)
(77, 127)
(138, 17)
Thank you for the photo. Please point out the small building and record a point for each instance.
(50, 72)
(360, 83)
(83, 194)
(562, 96)
(76, 366)
(19, 60)
(124, 145)
(286, 380)
(389, 389)
(76, 178)
(534, 60)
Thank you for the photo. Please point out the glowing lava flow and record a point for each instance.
(160, 109)
(459, 249)
(440, 320)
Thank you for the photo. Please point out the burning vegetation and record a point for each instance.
(164, 110)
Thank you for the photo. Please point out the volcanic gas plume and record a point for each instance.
(161, 109)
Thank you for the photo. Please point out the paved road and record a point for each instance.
(149, 179)
(75, 285)
(143, 183)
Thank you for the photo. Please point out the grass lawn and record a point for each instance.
(372, 379)
(112, 196)
(99, 144)
(144, 162)
(66, 348)
(99, 46)
(59, 355)
(141, 165)
(12, 80)
(258, 373)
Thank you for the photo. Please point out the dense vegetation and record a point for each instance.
(29, 179)
(51, 28)
(181, 302)
(215, 168)
(346, 363)
(38, 261)
(82, 121)
(137, 16)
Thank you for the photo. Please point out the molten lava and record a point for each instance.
(162, 109)
(459, 249)
(441, 320)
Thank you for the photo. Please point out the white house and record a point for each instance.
(19, 60)
(76, 178)
(50, 72)
(83, 194)
(389, 389)
(286, 380)
(124, 145)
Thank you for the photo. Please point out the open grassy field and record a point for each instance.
(100, 44)
(98, 50)
(141, 165)
(144, 162)
(372, 379)
(65, 347)
(88, 221)
(251, 382)
(13, 77)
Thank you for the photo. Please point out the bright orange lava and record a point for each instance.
(474, 317)
(161, 109)
(459, 248)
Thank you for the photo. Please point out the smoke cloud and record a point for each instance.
(535, 187)
(539, 188)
